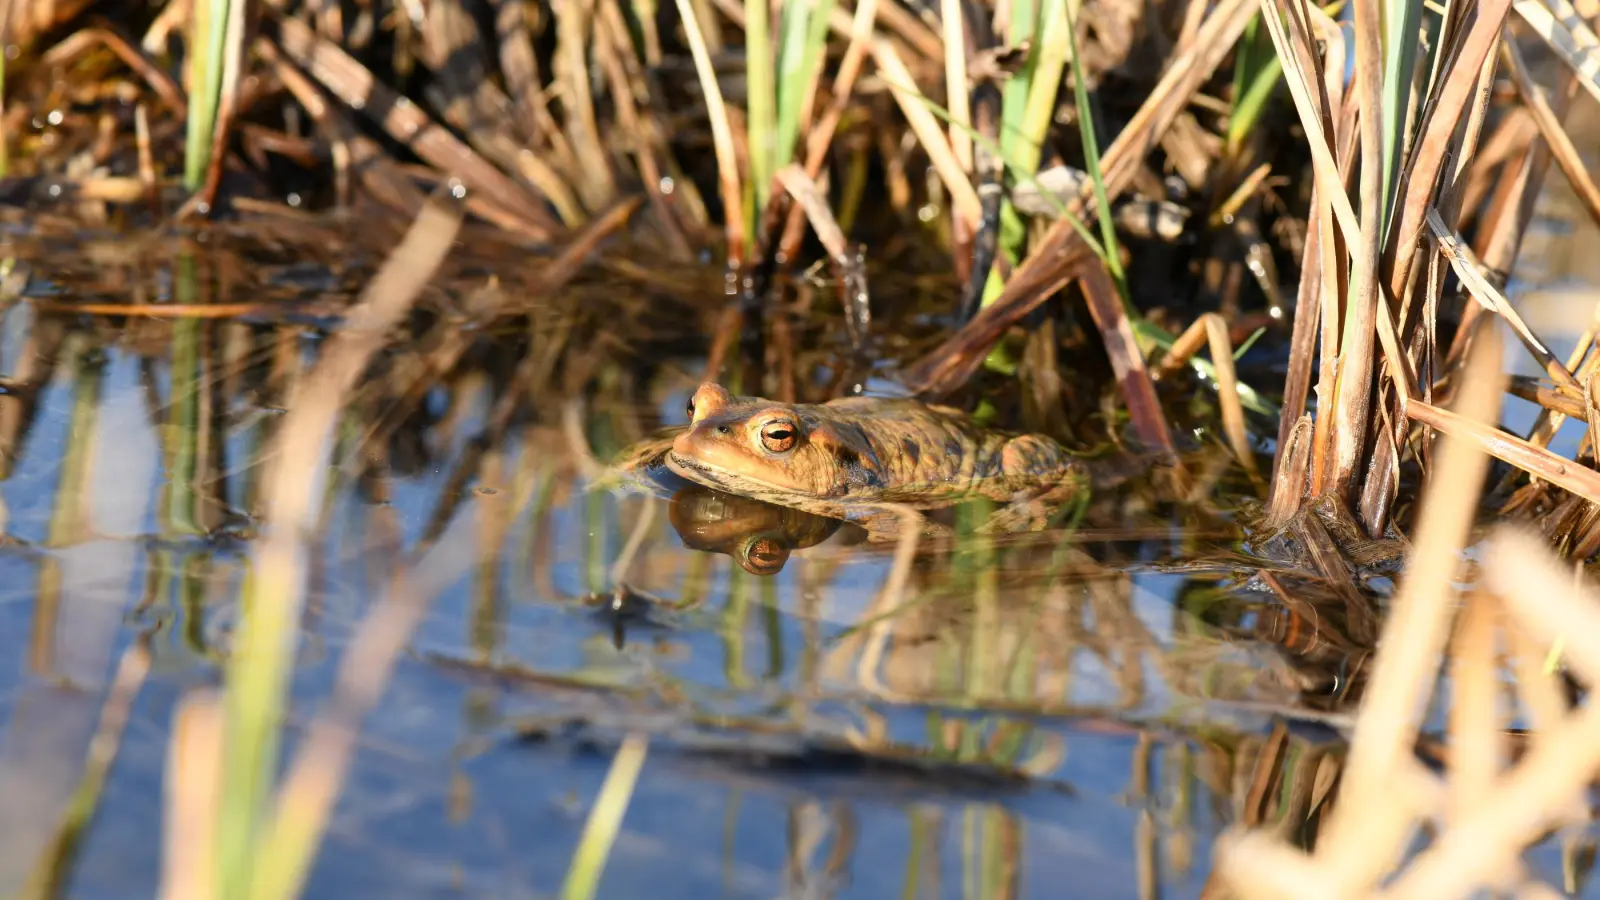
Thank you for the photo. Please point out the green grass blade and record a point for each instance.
(1256, 72)
(802, 36)
(1049, 62)
(605, 820)
(206, 45)
(1091, 163)
(761, 96)
(1014, 98)
(1401, 42)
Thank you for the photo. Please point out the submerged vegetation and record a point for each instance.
(1264, 245)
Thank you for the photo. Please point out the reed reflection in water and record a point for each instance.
(987, 718)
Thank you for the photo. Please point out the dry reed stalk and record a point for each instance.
(1133, 379)
(1415, 192)
(1213, 329)
(963, 196)
(820, 136)
(350, 150)
(1561, 147)
(955, 80)
(1477, 744)
(192, 786)
(1485, 846)
(1536, 461)
(1353, 389)
(1289, 476)
(508, 203)
(575, 31)
(1564, 30)
(612, 47)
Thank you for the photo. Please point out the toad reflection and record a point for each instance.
(759, 536)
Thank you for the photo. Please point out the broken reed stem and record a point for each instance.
(257, 670)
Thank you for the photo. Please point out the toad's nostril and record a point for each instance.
(723, 429)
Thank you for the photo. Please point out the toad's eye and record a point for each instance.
(765, 556)
(691, 409)
(777, 436)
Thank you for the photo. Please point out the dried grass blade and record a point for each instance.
(721, 135)
(193, 788)
(847, 266)
(1470, 270)
(963, 196)
(1133, 379)
(1536, 461)
(1228, 393)
(949, 365)
(560, 270)
(1567, 34)
(354, 84)
(1402, 676)
(1485, 847)
(1561, 147)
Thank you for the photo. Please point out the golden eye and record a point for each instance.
(777, 436)
(765, 556)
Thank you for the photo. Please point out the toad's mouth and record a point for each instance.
(695, 470)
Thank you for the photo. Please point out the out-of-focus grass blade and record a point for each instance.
(1564, 30)
(605, 820)
(1255, 74)
(804, 36)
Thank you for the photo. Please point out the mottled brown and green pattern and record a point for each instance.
(842, 457)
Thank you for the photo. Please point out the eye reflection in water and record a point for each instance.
(759, 536)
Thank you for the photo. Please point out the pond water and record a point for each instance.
(1079, 713)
